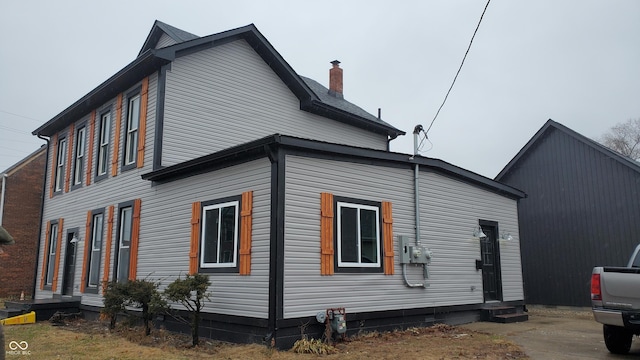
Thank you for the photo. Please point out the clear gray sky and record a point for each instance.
(575, 61)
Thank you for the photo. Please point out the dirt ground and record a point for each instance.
(549, 334)
(91, 340)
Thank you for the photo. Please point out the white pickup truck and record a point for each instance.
(615, 299)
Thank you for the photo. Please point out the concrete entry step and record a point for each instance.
(503, 314)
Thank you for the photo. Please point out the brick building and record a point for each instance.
(20, 204)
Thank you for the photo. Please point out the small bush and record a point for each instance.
(142, 294)
(313, 346)
(191, 293)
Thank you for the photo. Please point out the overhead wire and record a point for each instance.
(460, 68)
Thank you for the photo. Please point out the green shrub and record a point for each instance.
(142, 294)
(191, 293)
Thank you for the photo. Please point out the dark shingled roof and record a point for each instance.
(160, 28)
(323, 94)
(313, 97)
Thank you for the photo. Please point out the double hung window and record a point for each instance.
(60, 165)
(102, 165)
(95, 250)
(131, 140)
(78, 166)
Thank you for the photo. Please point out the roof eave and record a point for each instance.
(123, 79)
(260, 148)
(320, 108)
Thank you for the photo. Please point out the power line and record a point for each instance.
(22, 116)
(460, 68)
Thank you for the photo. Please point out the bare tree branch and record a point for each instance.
(624, 138)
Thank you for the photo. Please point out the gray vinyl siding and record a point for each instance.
(73, 206)
(450, 210)
(166, 227)
(228, 95)
(164, 41)
(165, 222)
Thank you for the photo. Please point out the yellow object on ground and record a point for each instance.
(29, 318)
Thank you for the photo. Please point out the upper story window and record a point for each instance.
(358, 234)
(60, 164)
(219, 235)
(102, 165)
(131, 137)
(78, 166)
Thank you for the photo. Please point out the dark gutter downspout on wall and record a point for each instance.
(44, 192)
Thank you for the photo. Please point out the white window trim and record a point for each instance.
(79, 161)
(97, 219)
(204, 265)
(120, 244)
(359, 207)
(53, 244)
(132, 133)
(103, 147)
(60, 162)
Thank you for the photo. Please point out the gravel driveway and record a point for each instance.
(557, 334)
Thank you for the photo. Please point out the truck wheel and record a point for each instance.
(617, 339)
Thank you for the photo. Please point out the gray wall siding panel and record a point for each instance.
(582, 211)
(164, 41)
(451, 209)
(167, 228)
(228, 95)
(447, 222)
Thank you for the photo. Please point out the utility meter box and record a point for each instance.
(339, 324)
(411, 253)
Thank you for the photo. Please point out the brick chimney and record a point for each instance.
(335, 80)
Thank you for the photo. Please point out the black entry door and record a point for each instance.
(491, 283)
(69, 266)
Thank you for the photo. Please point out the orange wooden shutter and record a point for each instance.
(142, 125)
(89, 152)
(195, 236)
(245, 232)
(116, 137)
(326, 234)
(45, 254)
(67, 176)
(107, 251)
(387, 237)
(88, 240)
(54, 165)
(135, 239)
(54, 284)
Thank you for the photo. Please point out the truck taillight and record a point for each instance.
(596, 293)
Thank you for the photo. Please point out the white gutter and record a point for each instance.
(4, 186)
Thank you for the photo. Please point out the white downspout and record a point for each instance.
(4, 186)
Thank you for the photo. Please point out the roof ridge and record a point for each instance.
(634, 165)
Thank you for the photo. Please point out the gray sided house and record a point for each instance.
(582, 210)
(211, 155)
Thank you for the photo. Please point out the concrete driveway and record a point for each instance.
(558, 334)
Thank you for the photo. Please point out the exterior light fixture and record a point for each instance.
(75, 239)
(478, 233)
(506, 236)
